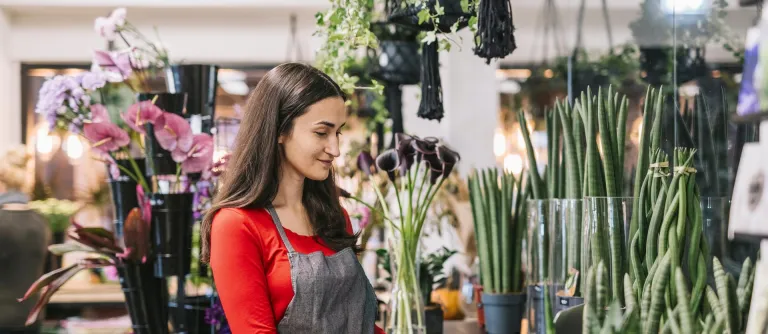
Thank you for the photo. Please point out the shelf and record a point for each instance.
(749, 3)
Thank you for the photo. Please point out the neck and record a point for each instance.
(290, 189)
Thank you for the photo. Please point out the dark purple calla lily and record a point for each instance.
(366, 164)
(407, 153)
(435, 173)
(389, 161)
(136, 236)
(449, 158)
(423, 148)
(431, 140)
(400, 137)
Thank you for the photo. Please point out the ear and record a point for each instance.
(280, 139)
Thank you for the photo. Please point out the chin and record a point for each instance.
(319, 175)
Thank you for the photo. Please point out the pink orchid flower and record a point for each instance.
(199, 157)
(105, 137)
(117, 66)
(106, 27)
(141, 113)
(173, 132)
(99, 114)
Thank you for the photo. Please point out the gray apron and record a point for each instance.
(331, 293)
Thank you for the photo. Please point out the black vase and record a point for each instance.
(123, 190)
(171, 231)
(199, 81)
(194, 315)
(146, 297)
(433, 320)
(503, 312)
(161, 162)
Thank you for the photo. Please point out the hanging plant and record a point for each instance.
(346, 30)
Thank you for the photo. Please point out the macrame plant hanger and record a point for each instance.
(400, 11)
(495, 30)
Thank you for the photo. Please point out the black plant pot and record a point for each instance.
(397, 60)
(146, 297)
(160, 162)
(194, 316)
(503, 312)
(199, 81)
(171, 230)
(408, 14)
(433, 319)
(123, 190)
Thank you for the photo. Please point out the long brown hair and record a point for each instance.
(252, 175)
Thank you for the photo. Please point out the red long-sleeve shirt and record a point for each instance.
(251, 269)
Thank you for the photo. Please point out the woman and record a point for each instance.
(24, 238)
(280, 246)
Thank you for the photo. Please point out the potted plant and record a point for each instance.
(416, 169)
(430, 275)
(498, 212)
(144, 294)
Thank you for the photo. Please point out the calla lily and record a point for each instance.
(449, 158)
(116, 66)
(389, 161)
(431, 140)
(401, 137)
(407, 152)
(435, 173)
(366, 164)
(423, 148)
(99, 114)
(199, 157)
(105, 137)
(173, 132)
(141, 113)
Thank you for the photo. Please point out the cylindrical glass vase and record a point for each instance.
(406, 307)
(605, 239)
(565, 219)
(538, 306)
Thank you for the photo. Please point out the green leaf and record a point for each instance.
(455, 27)
(473, 22)
(464, 5)
(423, 15)
(445, 45)
(429, 38)
(439, 10)
(61, 249)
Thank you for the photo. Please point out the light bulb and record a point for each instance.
(513, 163)
(73, 146)
(499, 143)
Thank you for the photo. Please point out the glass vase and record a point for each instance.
(605, 239)
(539, 301)
(406, 307)
(565, 218)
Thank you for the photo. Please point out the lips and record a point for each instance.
(327, 163)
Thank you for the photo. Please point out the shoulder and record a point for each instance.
(239, 221)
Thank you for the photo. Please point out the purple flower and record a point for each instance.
(116, 66)
(106, 28)
(92, 80)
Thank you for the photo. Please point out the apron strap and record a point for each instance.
(280, 229)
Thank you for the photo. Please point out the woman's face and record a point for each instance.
(313, 142)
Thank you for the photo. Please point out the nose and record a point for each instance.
(333, 147)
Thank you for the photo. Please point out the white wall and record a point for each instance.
(10, 82)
